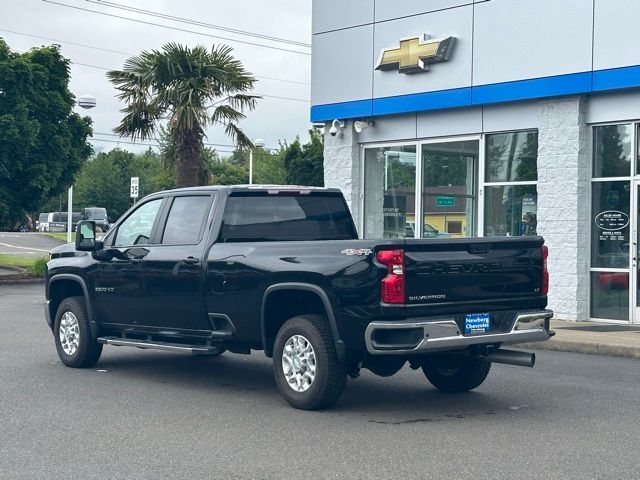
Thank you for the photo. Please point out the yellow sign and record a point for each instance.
(415, 54)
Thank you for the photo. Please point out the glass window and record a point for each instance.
(610, 224)
(511, 210)
(610, 295)
(638, 151)
(454, 228)
(254, 217)
(185, 220)
(449, 191)
(612, 150)
(136, 229)
(389, 192)
(512, 157)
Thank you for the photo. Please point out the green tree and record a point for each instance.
(305, 163)
(223, 172)
(104, 180)
(43, 143)
(192, 88)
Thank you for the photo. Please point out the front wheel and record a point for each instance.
(456, 372)
(74, 343)
(306, 367)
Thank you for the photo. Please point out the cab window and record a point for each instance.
(186, 220)
(136, 229)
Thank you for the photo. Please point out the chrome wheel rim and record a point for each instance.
(299, 363)
(69, 333)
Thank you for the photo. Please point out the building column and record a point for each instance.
(342, 166)
(563, 198)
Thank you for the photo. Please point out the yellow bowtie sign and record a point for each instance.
(416, 54)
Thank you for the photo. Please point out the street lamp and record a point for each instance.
(87, 102)
(258, 142)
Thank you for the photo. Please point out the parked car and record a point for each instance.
(281, 269)
(98, 215)
(43, 222)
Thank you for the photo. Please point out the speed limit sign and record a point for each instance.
(135, 187)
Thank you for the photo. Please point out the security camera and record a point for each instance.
(336, 127)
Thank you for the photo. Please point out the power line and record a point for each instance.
(199, 23)
(144, 144)
(64, 41)
(206, 143)
(176, 28)
(93, 47)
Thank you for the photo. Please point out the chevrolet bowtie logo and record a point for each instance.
(415, 54)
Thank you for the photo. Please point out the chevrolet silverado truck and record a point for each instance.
(281, 269)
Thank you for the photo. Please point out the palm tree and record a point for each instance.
(190, 89)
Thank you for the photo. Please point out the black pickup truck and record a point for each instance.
(281, 269)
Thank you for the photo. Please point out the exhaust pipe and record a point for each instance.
(511, 357)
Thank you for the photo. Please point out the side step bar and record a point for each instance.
(172, 347)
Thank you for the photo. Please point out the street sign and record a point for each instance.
(445, 201)
(135, 187)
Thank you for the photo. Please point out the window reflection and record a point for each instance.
(449, 192)
(389, 192)
(612, 150)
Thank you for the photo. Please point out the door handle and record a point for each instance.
(191, 261)
(136, 261)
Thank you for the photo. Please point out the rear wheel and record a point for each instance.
(455, 373)
(74, 343)
(306, 367)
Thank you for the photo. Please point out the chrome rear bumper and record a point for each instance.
(439, 335)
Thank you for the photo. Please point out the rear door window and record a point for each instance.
(186, 220)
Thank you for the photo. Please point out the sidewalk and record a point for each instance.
(592, 338)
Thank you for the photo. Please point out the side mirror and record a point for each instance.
(86, 237)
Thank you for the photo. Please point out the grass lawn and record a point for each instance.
(62, 236)
(34, 266)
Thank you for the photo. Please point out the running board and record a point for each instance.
(172, 347)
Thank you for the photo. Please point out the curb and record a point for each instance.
(589, 348)
(20, 280)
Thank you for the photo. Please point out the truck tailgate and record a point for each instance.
(474, 270)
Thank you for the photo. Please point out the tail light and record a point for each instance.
(545, 271)
(392, 287)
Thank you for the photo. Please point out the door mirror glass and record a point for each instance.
(86, 236)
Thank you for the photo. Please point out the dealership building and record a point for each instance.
(452, 118)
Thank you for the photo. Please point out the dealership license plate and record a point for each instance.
(477, 323)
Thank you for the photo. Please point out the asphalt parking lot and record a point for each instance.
(148, 415)
(26, 244)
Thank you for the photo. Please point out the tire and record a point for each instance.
(320, 362)
(72, 316)
(455, 373)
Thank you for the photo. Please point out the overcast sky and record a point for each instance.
(275, 119)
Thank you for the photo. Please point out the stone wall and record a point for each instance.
(563, 200)
(342, 166)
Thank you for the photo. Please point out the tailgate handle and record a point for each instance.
(479, 248)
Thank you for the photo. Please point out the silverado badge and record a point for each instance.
(356, 251)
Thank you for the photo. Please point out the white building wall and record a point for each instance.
(563, 202)
(342, 166)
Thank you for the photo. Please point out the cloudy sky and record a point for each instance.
(275, 118)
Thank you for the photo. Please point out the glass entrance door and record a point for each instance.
(635, 255)
(449, 188)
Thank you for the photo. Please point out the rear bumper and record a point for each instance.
(420, 337)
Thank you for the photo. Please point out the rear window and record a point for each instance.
(251, 217)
